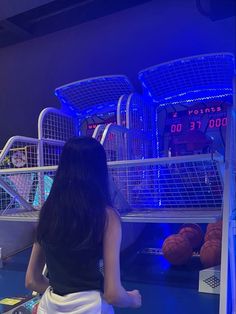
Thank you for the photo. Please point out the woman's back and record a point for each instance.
(77, 228)
(74, 270)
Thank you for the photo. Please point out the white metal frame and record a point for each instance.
(228, 272)
(98, 131)
(172, 215)
(128, 143)
(30, 213)
(121, 110)
(10, 143)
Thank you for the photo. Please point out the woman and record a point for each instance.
(78, 229)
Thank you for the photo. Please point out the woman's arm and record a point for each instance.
(34, 279)
(114, 293)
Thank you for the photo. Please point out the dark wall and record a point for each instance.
(122, 43)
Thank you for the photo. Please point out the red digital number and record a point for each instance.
(179, 128)
(192, 126)
(217, 123)
(173, 128)
(195, 125)
(176, 128)
(199, 123)
(211, 123)
(224, 122)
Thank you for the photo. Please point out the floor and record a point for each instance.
(165, 289)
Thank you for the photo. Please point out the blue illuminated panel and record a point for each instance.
(189, 79)
(94, 95)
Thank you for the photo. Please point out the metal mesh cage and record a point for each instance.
(191, 78)
(95, 94)
(17, 191)
(123, 144)
(55, 128)
(7, 200)
(121, 110)
(23, 190)
(140, 114)
(19, 152)
(114, 141)
(192, 182)
(55, 124)
(51, 153)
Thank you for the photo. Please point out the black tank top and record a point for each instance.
(74, 270)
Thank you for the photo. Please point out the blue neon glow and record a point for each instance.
(189, 79)
(94, 95)
(47, 187)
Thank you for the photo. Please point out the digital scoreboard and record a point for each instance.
(193, 129)
(199, 117)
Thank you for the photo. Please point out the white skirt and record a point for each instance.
(87, 302)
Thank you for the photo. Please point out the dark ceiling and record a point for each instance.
(23, 19)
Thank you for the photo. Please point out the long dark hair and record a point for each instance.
(74, 213)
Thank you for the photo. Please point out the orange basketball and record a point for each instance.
(193, 233)
(214, 225)
(213, 234)
(210, 253)
(177, 249)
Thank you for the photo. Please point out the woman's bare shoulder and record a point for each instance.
(112, 212)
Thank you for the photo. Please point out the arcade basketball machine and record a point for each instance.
(193, 178)
(108, 109)
(94, 100)
(84, 105)
(100, 104)
(190, 177)
(28, 164)
(103, 107)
